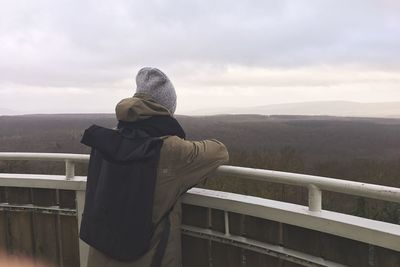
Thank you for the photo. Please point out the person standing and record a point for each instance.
(137, 175)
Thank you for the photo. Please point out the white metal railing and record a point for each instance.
(312, 217)
(314, 184)
(69, 159)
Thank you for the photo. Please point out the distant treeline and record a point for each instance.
(366, 150)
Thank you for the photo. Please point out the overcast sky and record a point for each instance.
(82, 56)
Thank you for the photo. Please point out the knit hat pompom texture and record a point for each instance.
(154, 83)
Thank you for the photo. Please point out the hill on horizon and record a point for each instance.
(317, 108)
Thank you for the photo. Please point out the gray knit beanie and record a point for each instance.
(154, 83)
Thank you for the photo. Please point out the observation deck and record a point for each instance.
(40, 215)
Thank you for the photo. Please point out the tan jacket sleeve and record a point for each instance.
(183, 164)
(201, 160)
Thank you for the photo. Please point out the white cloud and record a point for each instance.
(292, 49)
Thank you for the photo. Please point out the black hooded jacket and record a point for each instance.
(117, 218)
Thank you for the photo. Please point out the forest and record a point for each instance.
(357, 149)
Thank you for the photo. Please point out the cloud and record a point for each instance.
(246, 45)
(242, 76)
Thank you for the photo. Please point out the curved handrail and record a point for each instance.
(381, 192)
(44, 156)
(314, 183)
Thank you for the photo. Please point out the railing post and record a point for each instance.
(314, 198)
(69, 169)
(83, 247)
(226, 219)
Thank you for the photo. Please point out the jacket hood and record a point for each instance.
(117, 147)
(139, 107)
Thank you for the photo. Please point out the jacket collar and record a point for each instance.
(139, 107)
